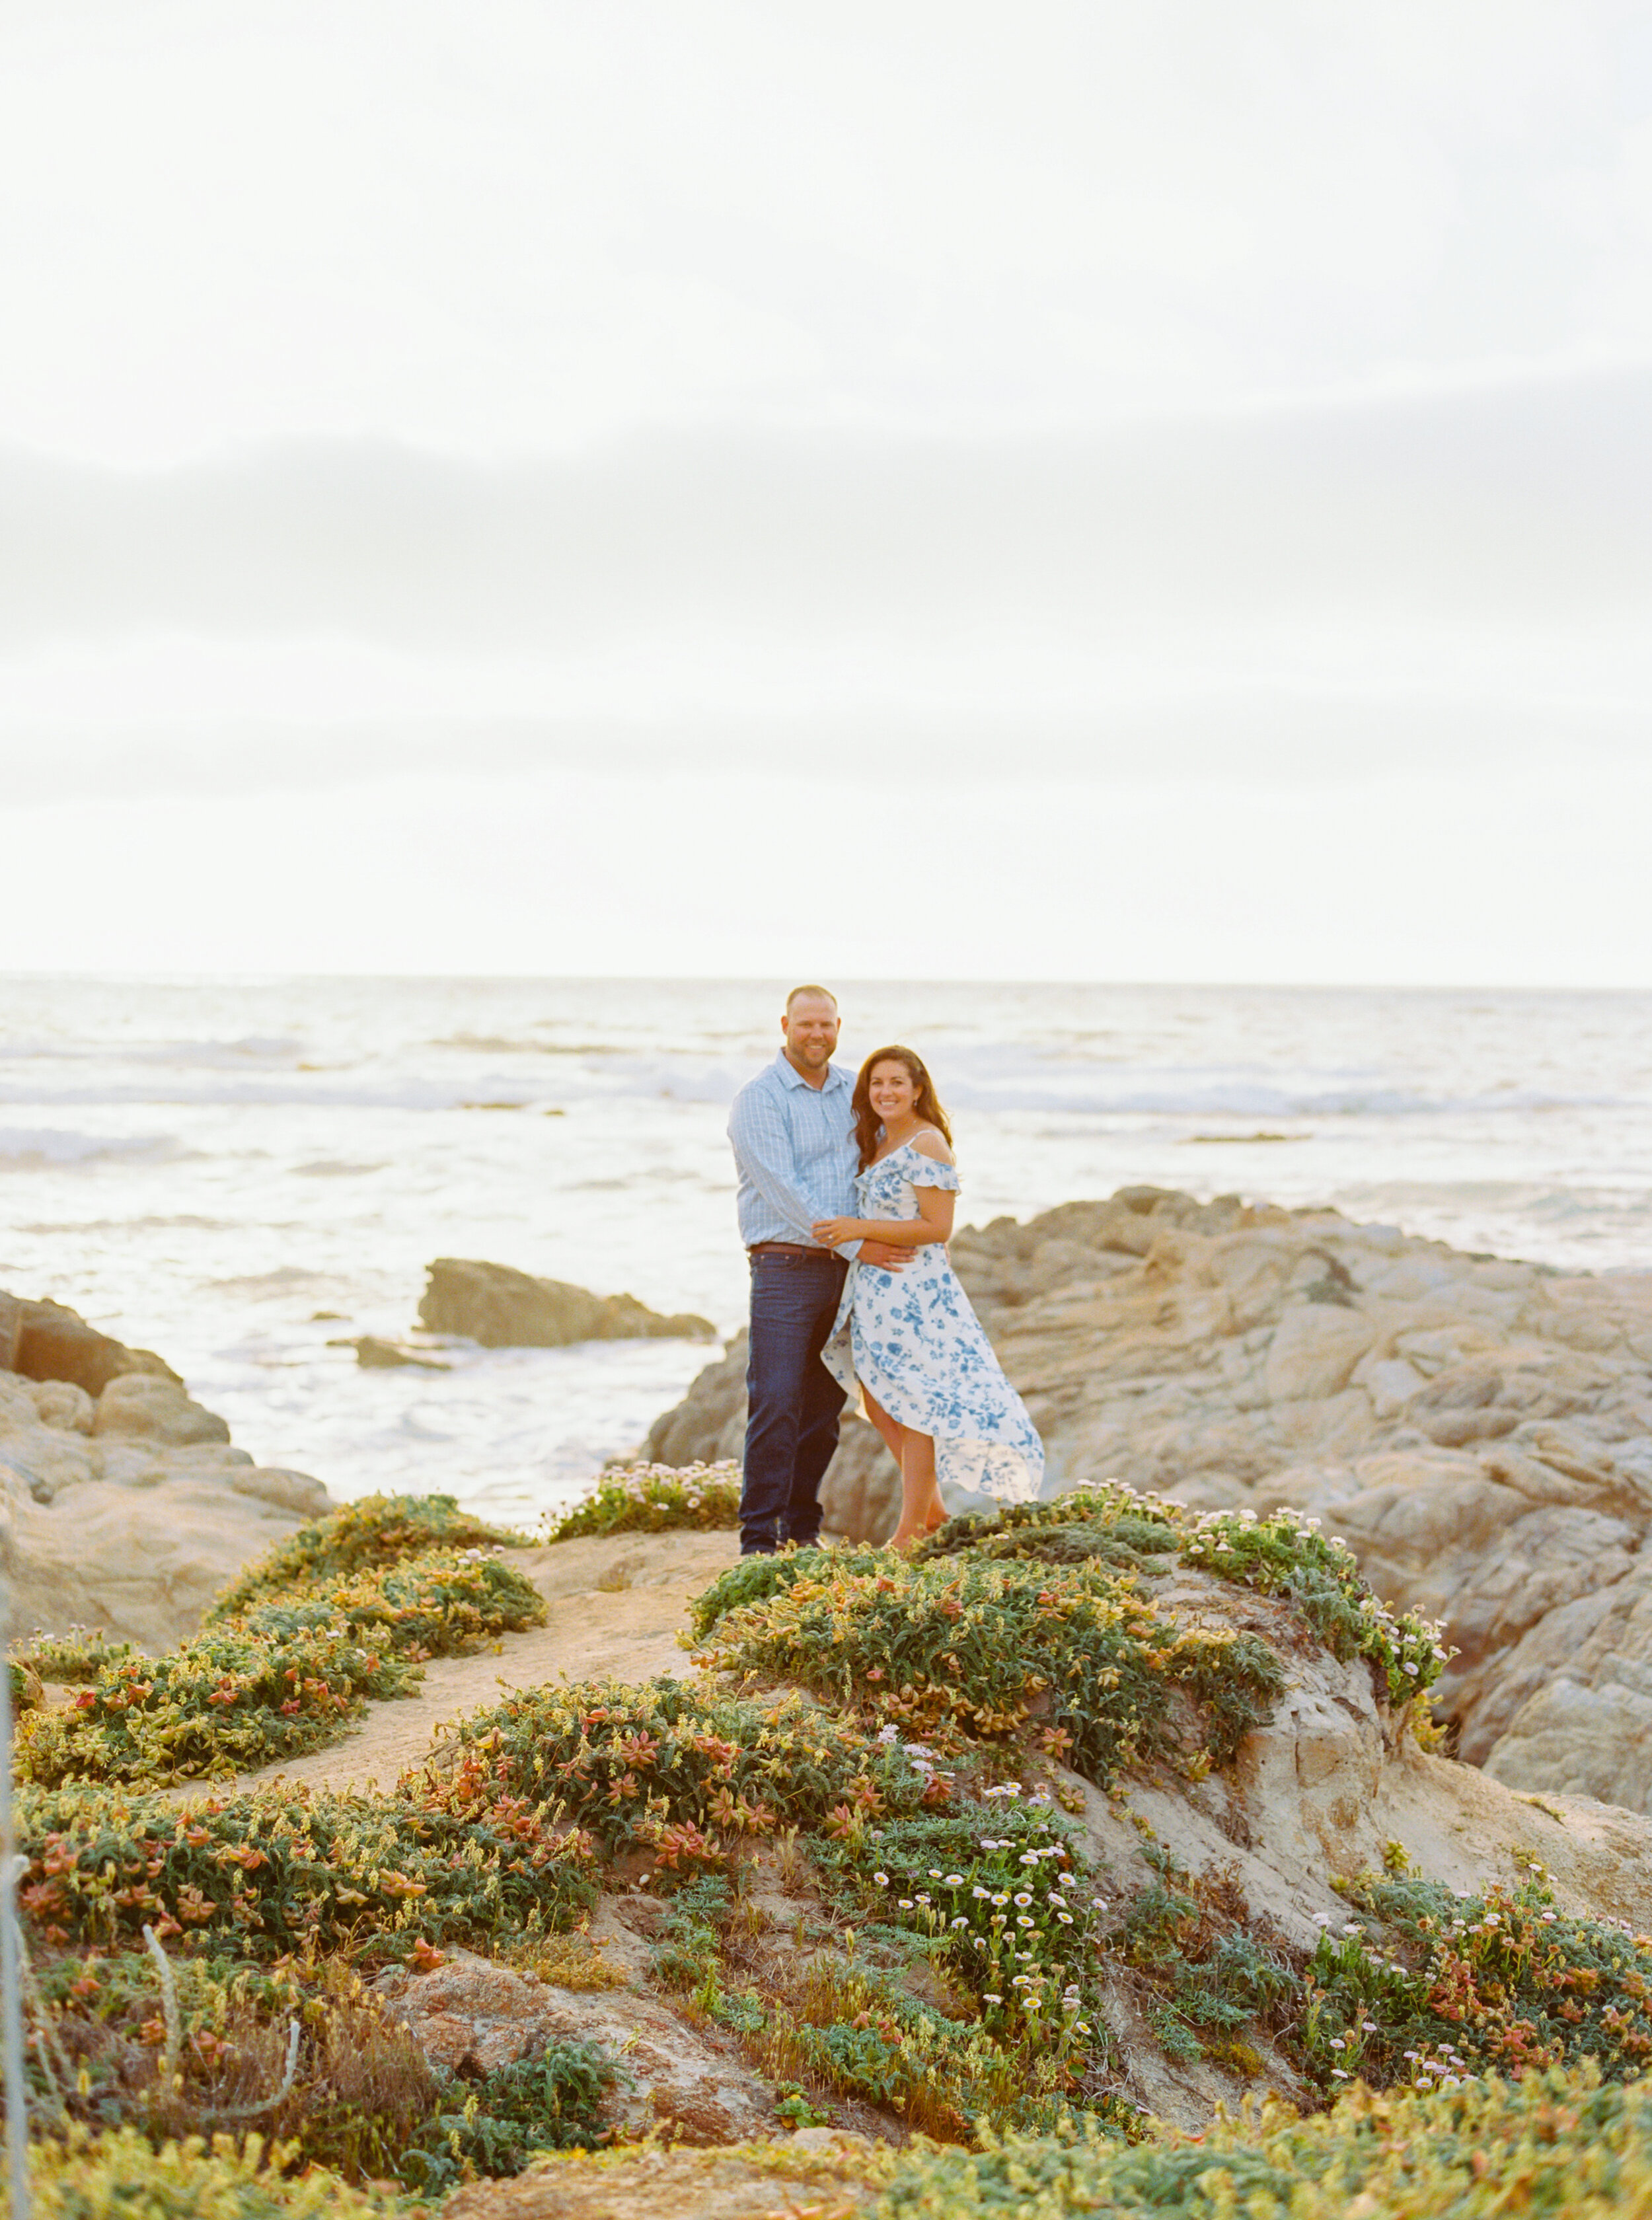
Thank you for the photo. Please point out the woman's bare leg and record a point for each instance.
(890, 1429)
(925, 1517)
(920, 1497)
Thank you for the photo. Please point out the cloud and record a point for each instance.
(1525, 504)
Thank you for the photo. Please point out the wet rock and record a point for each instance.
(50, 1342)
(502, 1308)
(380, 1356)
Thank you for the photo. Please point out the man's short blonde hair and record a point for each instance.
(804, 994)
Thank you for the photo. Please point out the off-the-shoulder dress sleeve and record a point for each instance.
(924, 1171)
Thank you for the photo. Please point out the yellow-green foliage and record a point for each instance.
(1552, 2144)
(1283, 1555)
(673, 1766)
(1425, 1984)
(272, 1872)
(285, 1670)
(985, 1645)
(647, 1498)
(120, 2176)
(1286, 1555)
(377, 1531)
(76, 1655)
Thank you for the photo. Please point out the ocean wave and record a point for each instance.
(212, 1055)
(42, 1149)
(1259, 1102)
(503, 1044)
(300, 1091)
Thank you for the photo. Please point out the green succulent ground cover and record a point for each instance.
(362, 2099)
(284, 1870)
(497, 2125)
(75, 1657)
(955, 1952)
(1423, 1985)
(983, 1646)
(1551, 2144)
(682, 1770)
(341, 1612)
(1283, 1555)
(372, 1534)
(123, 2172)
(648, 1499)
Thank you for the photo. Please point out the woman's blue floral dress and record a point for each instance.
(912, 1340)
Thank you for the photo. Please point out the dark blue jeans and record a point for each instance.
(793, 1401)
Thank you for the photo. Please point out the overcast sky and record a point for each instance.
(1106, 491)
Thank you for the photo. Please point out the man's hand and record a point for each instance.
(884, 1256)
(832, 1232)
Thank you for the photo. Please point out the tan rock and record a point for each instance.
(1314, 1350)
(17, 1402)
(142, 1563)
(155, 1410)
(50, 1342)
(59, 1403)
(1586, 1725)
(287, 1491)
(41, 1462)
(687, 2082)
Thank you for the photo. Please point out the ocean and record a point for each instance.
(238, 1172)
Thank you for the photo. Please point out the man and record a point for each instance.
(793, 1136)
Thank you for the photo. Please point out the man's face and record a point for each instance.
(811, 1030)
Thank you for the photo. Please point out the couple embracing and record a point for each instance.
(846, 1196)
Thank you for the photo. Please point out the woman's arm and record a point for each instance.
(935, 1224)
(935, 1206)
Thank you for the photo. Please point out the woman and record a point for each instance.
(909, 1339)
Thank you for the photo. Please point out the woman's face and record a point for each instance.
(892, 1090)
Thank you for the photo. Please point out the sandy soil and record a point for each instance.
(615, 1606)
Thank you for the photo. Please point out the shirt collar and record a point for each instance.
(793, 1077)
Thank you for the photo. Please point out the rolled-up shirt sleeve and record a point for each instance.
(763, 1153)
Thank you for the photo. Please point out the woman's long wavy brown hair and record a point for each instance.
(868, 1126)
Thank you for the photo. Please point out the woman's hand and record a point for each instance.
(834, 1232)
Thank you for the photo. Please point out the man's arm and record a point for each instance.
(762, 1152)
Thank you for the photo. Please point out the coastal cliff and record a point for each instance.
(919, 1881)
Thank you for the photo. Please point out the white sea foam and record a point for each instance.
(33, 1149)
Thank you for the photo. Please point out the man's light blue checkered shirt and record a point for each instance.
(795, 1151)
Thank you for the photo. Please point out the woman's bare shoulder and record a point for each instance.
(930, 1143)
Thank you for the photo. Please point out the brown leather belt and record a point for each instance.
(789, 1249)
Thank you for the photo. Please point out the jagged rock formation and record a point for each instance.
(1480, 1430)
(505, 1309)
(122, 1503)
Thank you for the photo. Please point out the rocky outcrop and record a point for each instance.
(123, 1505)
(686, 2081)
(45, 1341)
(377, 1355)
(505, 1309)
(1479, 1431)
